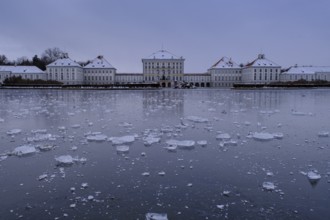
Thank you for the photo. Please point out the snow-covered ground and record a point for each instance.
(166, 154)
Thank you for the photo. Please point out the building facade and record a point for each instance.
(26, 72)
(99, 71)
(306, 73)
(225, 73)
(261, 71)
(66, 71)
(126, 78)
(164, 67)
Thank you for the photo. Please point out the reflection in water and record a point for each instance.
(138, 152)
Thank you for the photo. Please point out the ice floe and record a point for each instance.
(323, 134)
(202, 143)
(186, 144)
(42, 177)
(96, 137)
(156, 216)
(122, 140)
(197, 119)
(64, 160)
(269, 186)
(223, 136)
(122, 149)
(39, 137)
(262, 136)
(14, 131)
(24, 150)
(150, 140)
(313, 177)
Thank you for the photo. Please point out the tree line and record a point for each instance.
(47, 57)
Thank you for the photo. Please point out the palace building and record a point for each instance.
(167, 70)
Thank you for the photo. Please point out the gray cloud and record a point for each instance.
(288, 32)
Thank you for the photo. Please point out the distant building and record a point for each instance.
(225, 73)
(26, 72)
(99, 71)
(261, 71)
(198, 79)
(126, 78)
(66, 71)
(308, 73)
(163, 67)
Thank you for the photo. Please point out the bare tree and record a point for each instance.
(3, 60)
(23, 61)
(52, 54)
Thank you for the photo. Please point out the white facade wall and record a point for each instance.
(285, 77)
(225, 77)
(123, 78)
(202, 79)
(99, 75)
(261, 75)
(155, 69)
(25, 73)
(70, 75)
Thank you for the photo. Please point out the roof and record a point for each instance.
(164, 55)
(307, 69)
(21, 69)
(99, 62)
(64, 62)
(225, 62)
(261, 61)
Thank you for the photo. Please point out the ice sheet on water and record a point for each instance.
(122, 149)
(223, 136)
(268, 186)
(2, 120)
(278, 135)
(186, 144)
(75, 126)
(46, 147)
(122, 140)
(3, 157)
(262, 136)
(149, 140)
(323, 134)
(42, 177)
(68, 160)
(313, 175)
(197, 119)
(24, 150)
(64, 160)
(96, 137)
(39, 137)
(39, 131)
(202, 143)
(299, 113)
(156, 216)
(14, 131)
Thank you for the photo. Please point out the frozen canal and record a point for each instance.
(186, 154)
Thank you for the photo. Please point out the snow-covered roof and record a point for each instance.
(261, 61)
(63, 62)
(225, 62)
(21, 69)
(99, 62)
(163, 54)
(307, 69)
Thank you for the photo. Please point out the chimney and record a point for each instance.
(261, 56)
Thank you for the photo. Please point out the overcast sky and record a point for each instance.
(288, 32)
